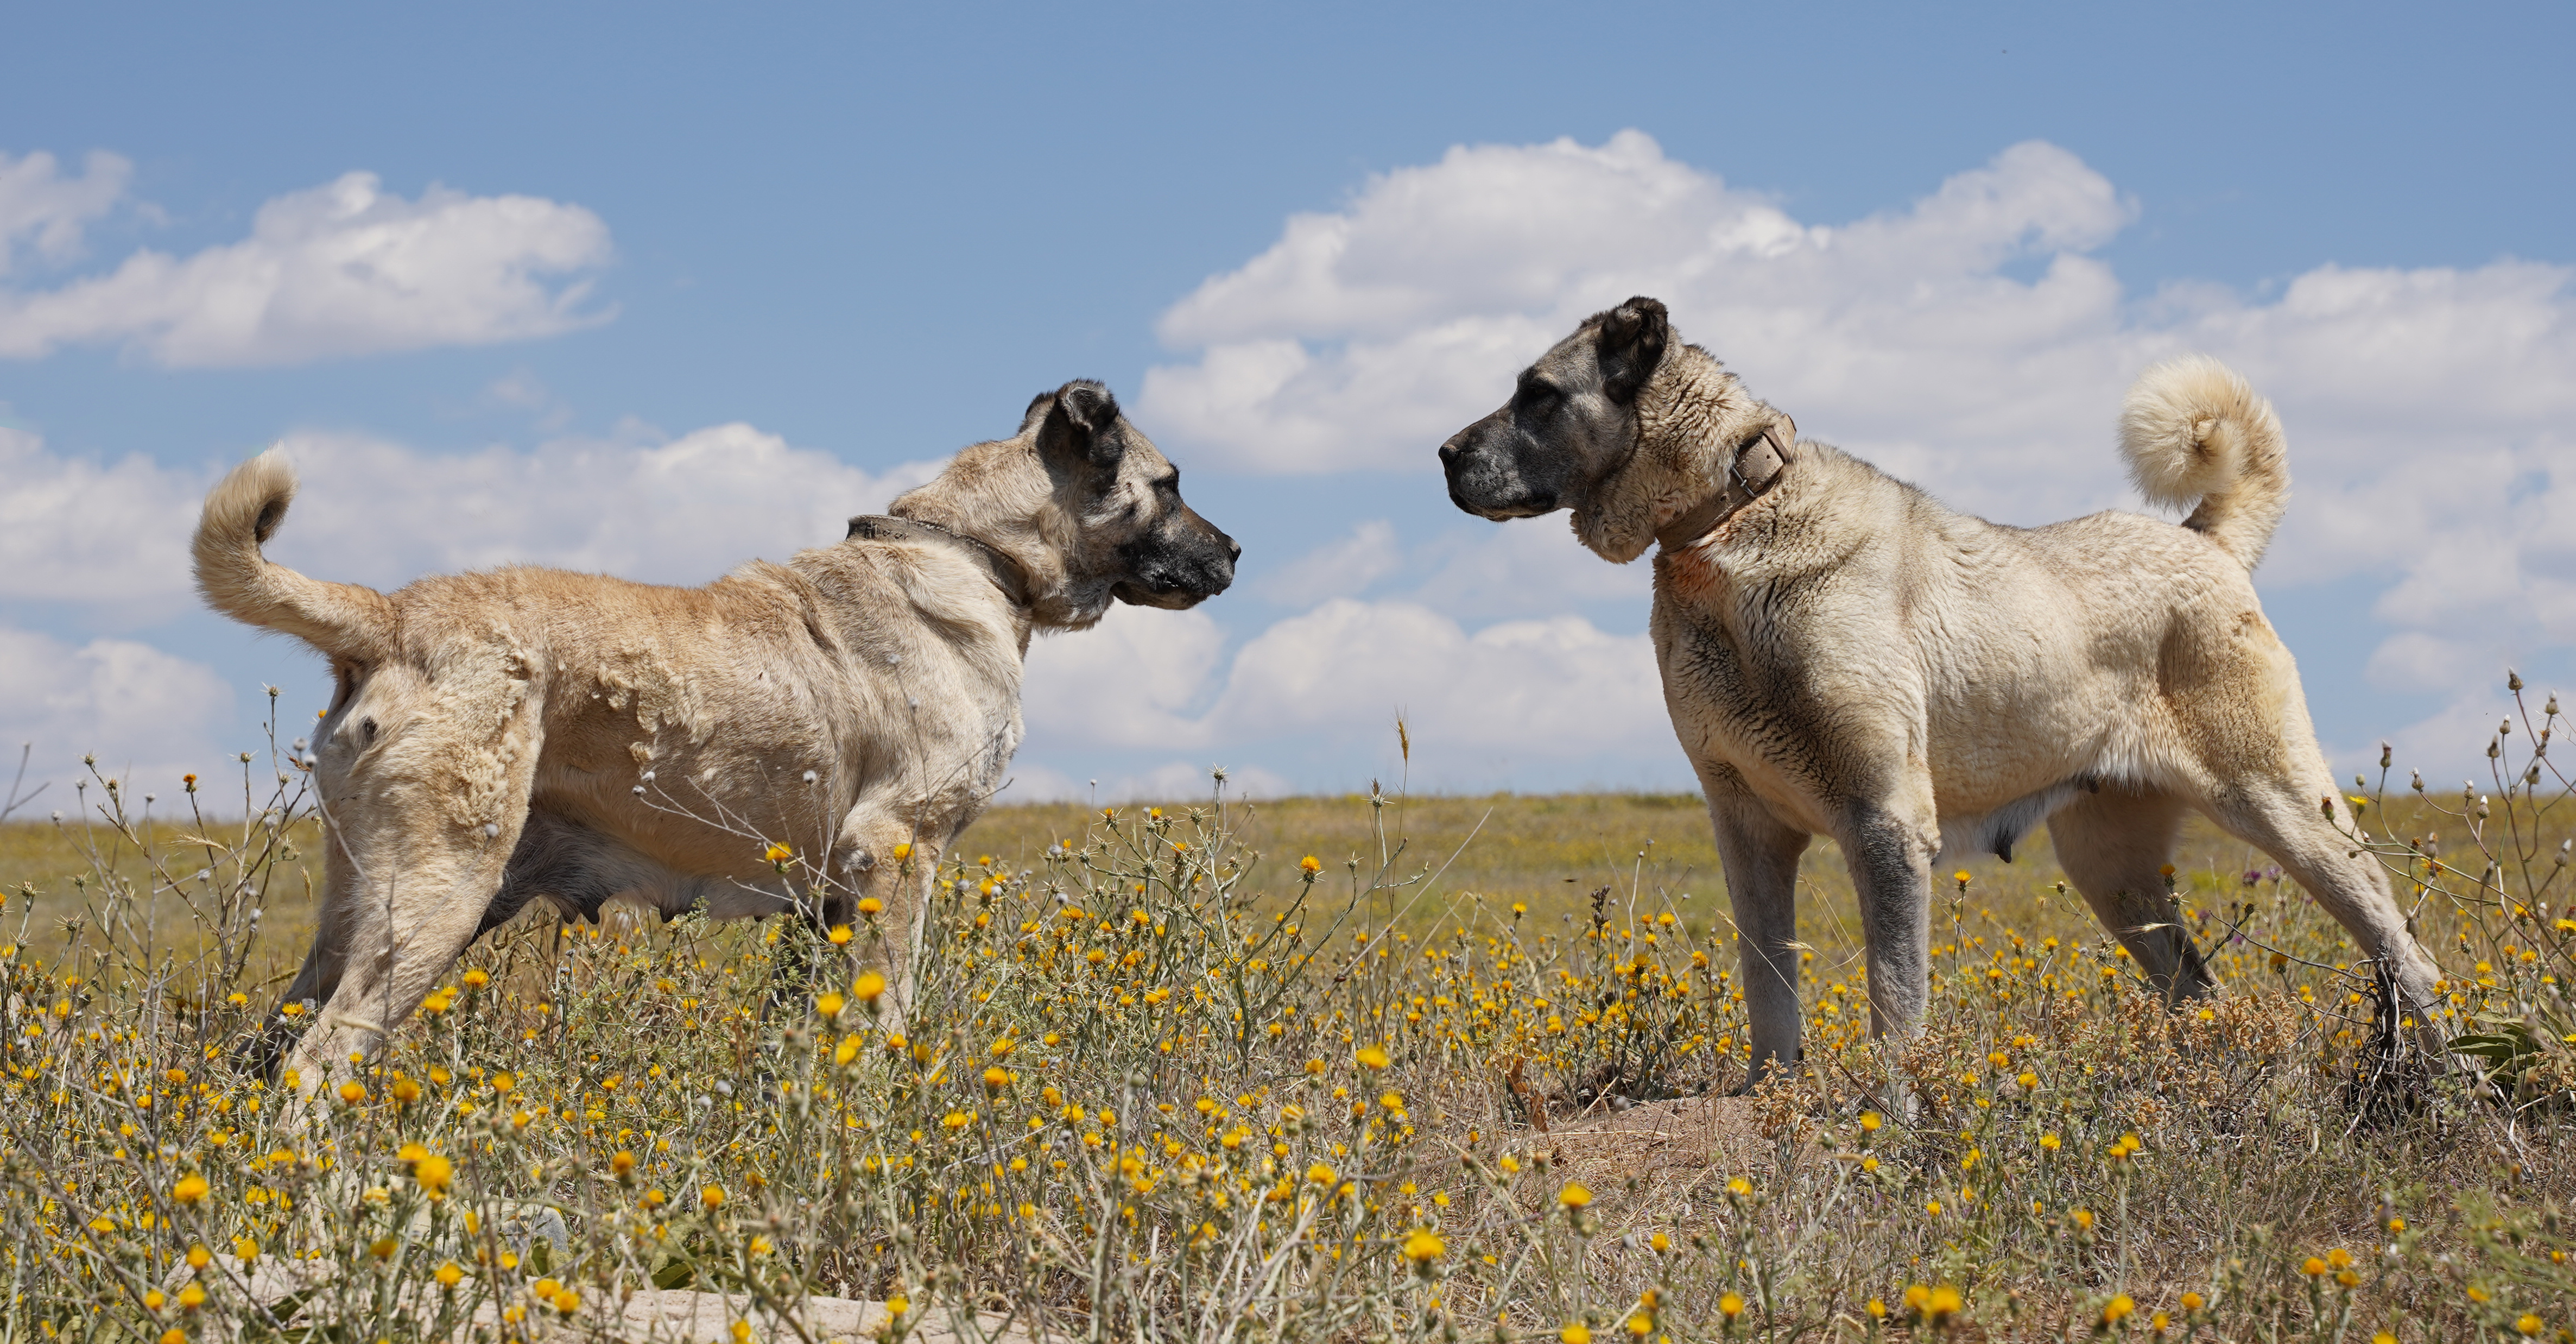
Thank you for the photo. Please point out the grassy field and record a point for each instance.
(1412, 861)
(1463, 1075)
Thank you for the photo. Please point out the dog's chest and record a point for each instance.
(1731, 681)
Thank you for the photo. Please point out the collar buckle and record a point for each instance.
(1756, 466)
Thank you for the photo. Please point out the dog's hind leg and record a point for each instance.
(418, 912)
(1760, 857)
(2113, 846)
(426, 826)
(2289, 824)
(320, 976)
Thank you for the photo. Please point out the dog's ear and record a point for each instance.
(1633, 336)
(1037, 410)
(1081, 425)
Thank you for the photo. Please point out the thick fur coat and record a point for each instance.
(1844, 656)
(531, 734)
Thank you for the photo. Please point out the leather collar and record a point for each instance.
(1004, 571)
(1757, 465)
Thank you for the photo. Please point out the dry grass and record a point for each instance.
(1162, 1082)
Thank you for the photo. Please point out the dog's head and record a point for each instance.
(1571, 422)
(1137, 536)
(1088, 506)
(1620, 422)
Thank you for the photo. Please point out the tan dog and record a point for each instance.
(1843, 656)
(535, 734)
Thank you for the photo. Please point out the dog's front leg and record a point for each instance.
(892, 863)
(320, 977)
(1760, 857)
(1889, 845)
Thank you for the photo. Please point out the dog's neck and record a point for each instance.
(1752, 468)
(1016, 520)
(1706, 448)
(1007, 574)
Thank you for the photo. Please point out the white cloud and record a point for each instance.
(684, 511)
(148, 716)
(1967, 342)
(1548, 689)
(1363, 338)
(1317, 691)
(48, 210)
(1134, 680)
(86, 533)
(1480, 572)
(78, 532)
(1525, 570)
(1343, 567)
(337, 270)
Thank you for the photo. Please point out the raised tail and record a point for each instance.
(342, 620)
(2193, 430)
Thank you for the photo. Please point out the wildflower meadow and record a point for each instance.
(1366, 1068)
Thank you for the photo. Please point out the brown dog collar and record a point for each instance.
(1757, 465)
(1004, 571)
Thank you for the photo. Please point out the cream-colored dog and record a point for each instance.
(526, 733)
(1843, 656)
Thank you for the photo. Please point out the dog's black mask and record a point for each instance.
(1571, 419)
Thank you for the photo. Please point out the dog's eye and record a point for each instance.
(1538, 398)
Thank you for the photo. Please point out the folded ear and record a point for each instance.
(1082, 425)
(1037, 410)
(1631, 345)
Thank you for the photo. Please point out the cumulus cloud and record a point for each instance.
(342, 269)
(1532, 689)
(47, 211)
(371, 511)
(1967, 341)
(78, 531)
(1340, 568)
(681, 511)
(1970, 341)
(1317, 692)
(1363, 337)
(1497, 572)
(1137, 679)
(148, 716)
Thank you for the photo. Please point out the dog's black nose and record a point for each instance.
(1448, 453)
(1233, 550)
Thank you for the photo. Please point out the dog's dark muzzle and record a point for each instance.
(1178, 567)
(1485, 477)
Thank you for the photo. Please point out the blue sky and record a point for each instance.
(864, 237)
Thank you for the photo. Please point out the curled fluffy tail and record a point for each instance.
(342, 620)
(2192, 429)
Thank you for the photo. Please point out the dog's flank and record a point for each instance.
(529, 735)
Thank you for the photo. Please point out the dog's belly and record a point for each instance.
(579, 868)
(1996, 832)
